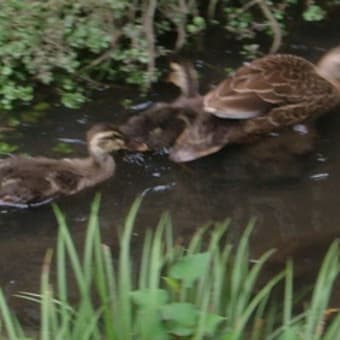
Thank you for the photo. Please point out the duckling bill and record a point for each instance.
(27, 182)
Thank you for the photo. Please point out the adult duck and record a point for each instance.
(263, 96)
(26, 182)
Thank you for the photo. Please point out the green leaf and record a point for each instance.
(211, 323)
(13, 121)
(173, 284)
(142, 297)
(6, 148)
(63, 148)
(6, 71)
(42, 106)
(73, 100)
(190, 268)
(179, 330)
(31, 116)
(182, 313)
(314, 13)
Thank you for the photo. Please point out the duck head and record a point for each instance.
(329, 66)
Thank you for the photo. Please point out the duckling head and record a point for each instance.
(103, 138)
(329, 66)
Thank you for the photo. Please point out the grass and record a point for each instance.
(205, 290)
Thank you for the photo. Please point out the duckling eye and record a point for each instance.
(105, 143)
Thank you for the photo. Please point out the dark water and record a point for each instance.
(290, 183)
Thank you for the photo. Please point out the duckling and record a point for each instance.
(26, 182)
(265, 95)
(158, 127)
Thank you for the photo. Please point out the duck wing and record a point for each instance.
(258, 87)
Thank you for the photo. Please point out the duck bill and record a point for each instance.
(134, 146)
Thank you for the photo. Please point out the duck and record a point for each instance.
(261, 97)
(29, 182)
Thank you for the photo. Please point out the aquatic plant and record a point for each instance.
(70, 46)
(204, 289)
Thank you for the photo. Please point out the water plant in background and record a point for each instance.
(63, 148)
(72, 46)
(206, 289)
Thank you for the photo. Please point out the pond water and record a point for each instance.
(293, 197)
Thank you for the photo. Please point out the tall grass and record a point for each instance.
(205, 290)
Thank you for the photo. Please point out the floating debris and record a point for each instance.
(321, 158)
(319, 177)
(141, 106)
(159, 188)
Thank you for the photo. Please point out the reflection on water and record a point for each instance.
(289, 182)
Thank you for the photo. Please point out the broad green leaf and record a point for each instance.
(181, 312)
(143, 297)
(190, 268)
(179, 330)
(211, 323)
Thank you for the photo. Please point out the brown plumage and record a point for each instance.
(159, 126)
(262, 96)
(34, 181)
(265, 95)
(155, 128)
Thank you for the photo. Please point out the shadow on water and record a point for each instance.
(288, 182)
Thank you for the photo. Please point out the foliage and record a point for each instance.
(65, 45)
(204, 290)
(63, 148)
(6, 148)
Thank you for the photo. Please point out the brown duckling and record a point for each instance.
(265, 95)
(159, 126)
(26, 182)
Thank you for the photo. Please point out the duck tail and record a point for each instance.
(185, 77)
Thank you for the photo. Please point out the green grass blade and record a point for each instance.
(288, 295)
(90, 240)
(143, 281)
(46, 329)
(12, 328)
(71, 251)
(333, 329)
(239, 272)
(262, 294)
(249, 284)
(124, 273)
(61, 263)
(327, 274)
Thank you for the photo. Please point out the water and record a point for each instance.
(293, 197)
